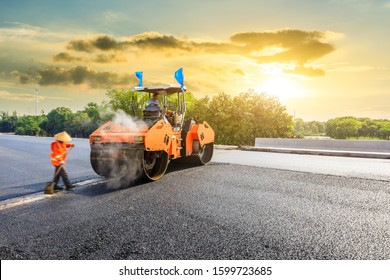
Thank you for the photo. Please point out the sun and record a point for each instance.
(283, 87)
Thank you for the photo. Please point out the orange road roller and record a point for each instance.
(146, 148)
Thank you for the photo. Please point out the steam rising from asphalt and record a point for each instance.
(129, 167)
(125, 120)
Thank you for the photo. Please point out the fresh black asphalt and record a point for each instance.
(218, 211)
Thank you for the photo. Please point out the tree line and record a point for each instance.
(236, 120)
(346, 127)
(79, 124)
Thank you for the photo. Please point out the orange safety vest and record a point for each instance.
(58, 152)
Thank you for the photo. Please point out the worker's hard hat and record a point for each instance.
(63, 136)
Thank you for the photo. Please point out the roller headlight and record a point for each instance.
(139, 139)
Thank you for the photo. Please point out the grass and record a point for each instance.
(364, 138)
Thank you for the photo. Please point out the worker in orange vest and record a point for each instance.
(58, 157)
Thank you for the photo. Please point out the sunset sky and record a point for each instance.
(323, 59)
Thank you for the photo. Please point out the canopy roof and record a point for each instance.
(162, 89)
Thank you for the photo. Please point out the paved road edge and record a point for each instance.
(306, 151)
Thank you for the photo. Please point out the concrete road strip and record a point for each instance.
(21, 200)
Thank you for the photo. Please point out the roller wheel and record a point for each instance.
(202, 155)
(206, 153)
(101, 166)
(105, 164)
(155, 164)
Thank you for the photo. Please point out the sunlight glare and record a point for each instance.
(282, 87)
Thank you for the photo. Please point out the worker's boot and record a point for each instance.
(58, 188)
(69, 188)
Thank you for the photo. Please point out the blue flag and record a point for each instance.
(139, 76)
(180, 77)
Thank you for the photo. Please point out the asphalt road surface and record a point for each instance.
(25, 164)
(302, 207)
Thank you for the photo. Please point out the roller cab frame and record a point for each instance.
(146, 150)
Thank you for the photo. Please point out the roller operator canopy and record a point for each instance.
(161, 90)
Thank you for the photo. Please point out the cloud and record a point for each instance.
(106, 43)
(300, 54)
(80, 62)
(110, 17)
(99, 58)
(294, 47)
(76, 75)
(288, 46)
(17, 96)
(80, 45)
(66, 57)
(21, 31)
(112, 58)
(102, 43)
(306, 71)
(285, 38)
(346, 67)
(29, 97)
(239, 72)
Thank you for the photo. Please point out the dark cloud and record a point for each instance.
(99, 58)
(75, 75)
(24, 79)
(147, 41)
(157, 42)
(164, 42)
(66, 57)
(111, 58)
(102, 43)
(81, 46)
(105, 43)
(52, 76)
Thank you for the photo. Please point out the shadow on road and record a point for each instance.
(106, 187)
(182, 164)
(119, 184)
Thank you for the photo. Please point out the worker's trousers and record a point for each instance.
(62, 174)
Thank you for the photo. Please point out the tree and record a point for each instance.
(343, 127)
(303, 128)
(130, 102)
(29, 125)
(79, 125)
(97, 115)
(384, 130)
(58, 119)
(8, 122)
(299, 126)
(370, 128)
(199, 109)
(270, 117)
(239, 120)
(92, 110)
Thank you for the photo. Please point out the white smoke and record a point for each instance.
(125, 173)
(125, 120)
